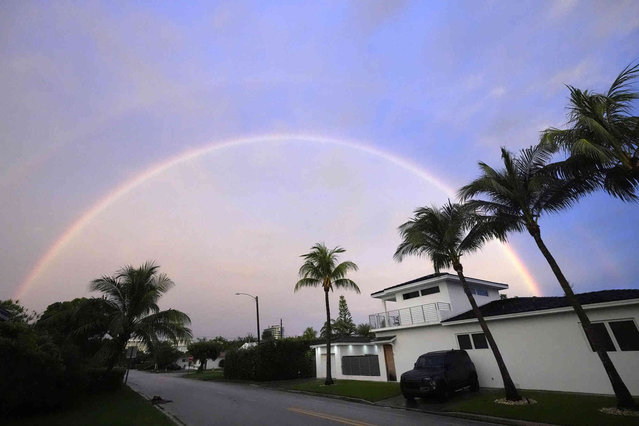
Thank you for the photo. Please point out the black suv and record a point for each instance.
(439, 373)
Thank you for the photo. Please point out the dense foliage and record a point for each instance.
(203, 350)
(272, 360)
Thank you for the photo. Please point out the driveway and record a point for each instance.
(197, 403)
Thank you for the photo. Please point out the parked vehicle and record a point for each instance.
(439, 373)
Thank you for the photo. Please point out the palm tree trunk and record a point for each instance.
(509, 385)
(329, 376)
(624, 398)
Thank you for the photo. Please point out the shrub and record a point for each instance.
(100, 379)
(272, 360)
(31, 371)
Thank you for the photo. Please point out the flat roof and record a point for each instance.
(438, 275)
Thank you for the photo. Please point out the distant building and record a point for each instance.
(138, 343)
(277, 331)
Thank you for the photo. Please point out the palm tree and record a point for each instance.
(603, 135)
(444, 235)
(516, 197)
(130, 298)
(320, 269)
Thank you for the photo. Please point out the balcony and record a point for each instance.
(430, 313)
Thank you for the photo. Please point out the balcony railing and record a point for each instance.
(429, 313)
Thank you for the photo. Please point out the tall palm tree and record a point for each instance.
(603, 135)
(516, 196)
(444, 235)
(320, 269)
(131, 300)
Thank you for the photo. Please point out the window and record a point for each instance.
(431, 290)
(602, 335)
(624, 336)
(478, 341)
(464, 341)
(363, 365)
(479, 291)
(410, 295)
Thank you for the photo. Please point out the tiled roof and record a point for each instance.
(517, 305)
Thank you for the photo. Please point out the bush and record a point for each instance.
(99, 379)
(272, 360)
(31, 371)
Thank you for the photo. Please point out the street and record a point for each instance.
(197, 403)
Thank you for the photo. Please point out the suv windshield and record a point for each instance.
(430, 361)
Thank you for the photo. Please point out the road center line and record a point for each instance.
(329, 417)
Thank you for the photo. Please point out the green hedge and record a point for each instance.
(37, 375)
(99, 379)
(271, 360)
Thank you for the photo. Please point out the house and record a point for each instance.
(188, 363)
(540, 338)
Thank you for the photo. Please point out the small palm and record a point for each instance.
(131, 299)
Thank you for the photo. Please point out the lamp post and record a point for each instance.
(257, 312)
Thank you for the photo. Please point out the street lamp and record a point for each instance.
(257, 312)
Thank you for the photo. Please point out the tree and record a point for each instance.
(130, 298)
(445, 235)
(603, 137)
(18, 313)
(343, 325)
(516, 196)
(364, 330)
(79, 325)
(203, 350)
(164, 353)
(320, 269)
(309, 334)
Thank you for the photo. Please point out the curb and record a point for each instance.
(158, 407)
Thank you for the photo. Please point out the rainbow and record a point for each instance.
(184, 157)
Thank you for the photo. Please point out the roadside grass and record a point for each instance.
(552, 407)
(123, 407)
(369, 391)
(206, 375)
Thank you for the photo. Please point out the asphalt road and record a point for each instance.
(197, 403)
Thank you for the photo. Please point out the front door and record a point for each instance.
(391, 375)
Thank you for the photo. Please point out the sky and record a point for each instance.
(223, 140)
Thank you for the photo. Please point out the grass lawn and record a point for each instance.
(124, 407)
(206, 375)
(370, 391)
(552, 407)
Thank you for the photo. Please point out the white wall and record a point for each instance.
(442, 296)
(542, 352)
(459, 301)
(338, 351)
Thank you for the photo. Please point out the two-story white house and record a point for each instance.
(540, 338)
